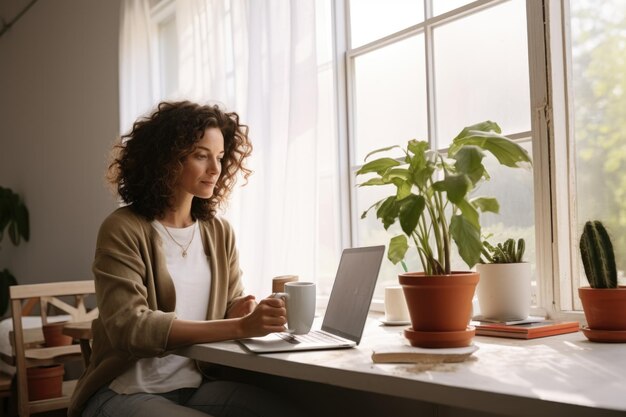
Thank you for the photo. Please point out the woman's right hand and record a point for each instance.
(269, 316)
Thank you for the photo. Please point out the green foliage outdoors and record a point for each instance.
(598, 257)
(432, 194)
(503, 253)
(599, 75)
(14, 220)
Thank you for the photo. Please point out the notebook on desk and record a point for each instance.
(347, 309)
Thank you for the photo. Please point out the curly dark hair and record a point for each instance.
(147, 161)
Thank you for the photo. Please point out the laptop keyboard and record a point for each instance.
(315, 336)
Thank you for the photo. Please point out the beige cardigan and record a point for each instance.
(136, 297)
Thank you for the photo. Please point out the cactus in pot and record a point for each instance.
(597, 254)
(604, 302)
(504, 291)
(503, 253)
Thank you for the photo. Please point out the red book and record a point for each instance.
(528, 330)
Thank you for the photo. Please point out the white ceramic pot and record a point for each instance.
(504, 291)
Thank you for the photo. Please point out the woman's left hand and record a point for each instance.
(241, 306)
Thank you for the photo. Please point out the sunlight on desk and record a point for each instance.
(557, 375)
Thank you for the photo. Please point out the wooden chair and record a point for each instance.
(81, 331)
(7, 388)
(27, 344)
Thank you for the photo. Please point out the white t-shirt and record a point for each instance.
(192, 280)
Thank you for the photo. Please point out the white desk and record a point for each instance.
(559, 375)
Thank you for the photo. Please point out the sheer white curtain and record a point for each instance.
(259, 59)
(275, 215)
(139, 69)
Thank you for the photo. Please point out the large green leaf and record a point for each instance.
(486, 204)
(504, 149)
(404, 188)
(485, 126)
(378, 165)
(422, 175)
(469, 212)
(467, 239)
(456, 186)
(420, 168)
(388, 211)
(390, 174)
(418, 148)
(373, 181)
(411, 210)
(380, 150)
(469, 161)
(398, 246)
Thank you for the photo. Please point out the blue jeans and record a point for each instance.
(214, 398)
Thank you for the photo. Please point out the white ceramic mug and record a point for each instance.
(300, 303)
(396, 309)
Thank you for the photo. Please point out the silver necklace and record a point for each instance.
(185, 247)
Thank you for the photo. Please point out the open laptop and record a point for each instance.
(347, 309)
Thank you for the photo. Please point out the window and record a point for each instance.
(551, 73)
(587, 143)
(426, 73)
(598, 67)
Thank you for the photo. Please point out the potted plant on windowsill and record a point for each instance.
(504, 287)
(433, 204)
(14, 218)
(604, 302)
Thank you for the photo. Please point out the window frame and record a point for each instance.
(550, 84)
(551, 98)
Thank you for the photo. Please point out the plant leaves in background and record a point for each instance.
(6, 280)
(13, 216)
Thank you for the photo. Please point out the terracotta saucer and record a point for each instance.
(605, 336)
(394, 322)
(440, 339)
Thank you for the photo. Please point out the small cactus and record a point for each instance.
(503, 253)
(597, 254)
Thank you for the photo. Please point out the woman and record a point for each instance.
(167, 274)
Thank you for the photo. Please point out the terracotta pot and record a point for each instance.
(605, 308)
(504, 290)
(53, 334)
(45, 382)
(439, 304)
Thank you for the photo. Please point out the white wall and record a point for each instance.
(58, 119)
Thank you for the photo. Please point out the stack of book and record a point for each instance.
(530, 328)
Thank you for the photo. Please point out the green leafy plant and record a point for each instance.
(432, 196)
(597, 254)
(13, 219)
(503, 253)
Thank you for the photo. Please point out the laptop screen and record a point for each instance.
(352, 292)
